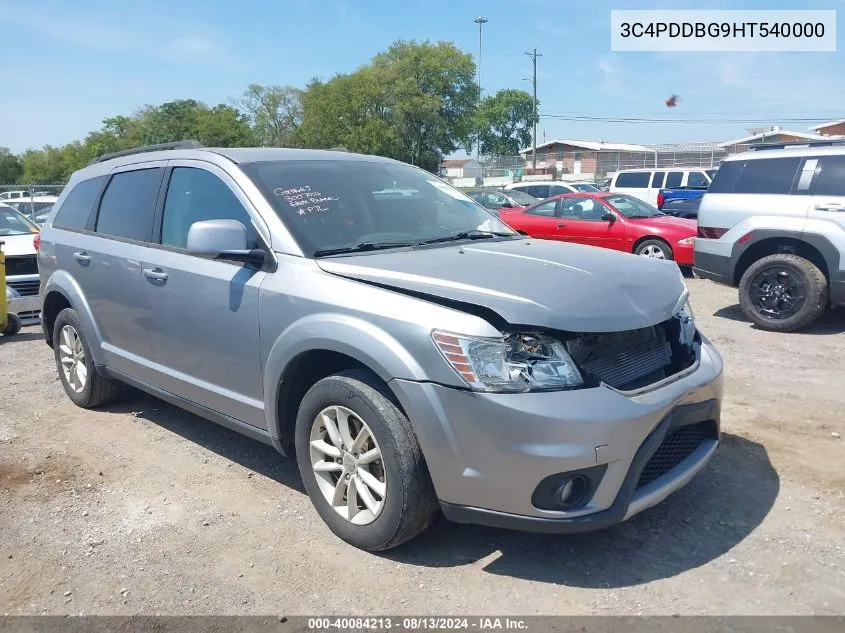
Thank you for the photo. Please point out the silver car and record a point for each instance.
(409, 349)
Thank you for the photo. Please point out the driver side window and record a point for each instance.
(588, 209)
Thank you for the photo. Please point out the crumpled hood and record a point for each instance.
(532, 282)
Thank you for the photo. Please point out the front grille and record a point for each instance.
(623, 360)
(21, 265)
(675, 448)
(25, 288)
(29, 315)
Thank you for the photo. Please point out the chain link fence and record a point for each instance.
(34, 200)
(589, 166)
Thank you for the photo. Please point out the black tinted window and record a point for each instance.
(830, 176)
(194, 195)
(76, 209)
(674, 179)
(697, 180)
(538, 191)
(633, 180)
(767, 175)
(725, 179)
(128, 204)
(657, 180)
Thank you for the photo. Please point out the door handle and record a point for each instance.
(829, 207)
(560, 225)
(155, 275)
(82, 257)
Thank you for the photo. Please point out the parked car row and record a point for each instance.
(20, 243)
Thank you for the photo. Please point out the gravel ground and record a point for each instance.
(144, 509)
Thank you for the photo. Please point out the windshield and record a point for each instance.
(521, 198)
(13, 223)
(333, 205)
(632, 207)
(585, 186)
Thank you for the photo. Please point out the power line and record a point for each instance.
(608, 119)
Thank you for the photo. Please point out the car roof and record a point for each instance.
(789, 152)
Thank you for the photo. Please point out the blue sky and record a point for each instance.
(68, 65)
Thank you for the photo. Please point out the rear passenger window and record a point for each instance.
(657, 180)
(129, 203)
(674, 179)
(697, 180)
(633, 180)
(767, 175)
(76, 209)
(538, 191)
(725, 179)
(194, 195)
(830, 176)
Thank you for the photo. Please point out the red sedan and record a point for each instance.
(609, 220)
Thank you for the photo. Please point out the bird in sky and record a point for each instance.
(672, 101)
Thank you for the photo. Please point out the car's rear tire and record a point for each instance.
(655, 248)
(396, 501)
(83, 383)
(783, 293)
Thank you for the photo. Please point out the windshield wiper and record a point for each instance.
(474, 234)
(361, 247)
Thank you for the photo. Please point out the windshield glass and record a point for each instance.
(521, 198)
(632, 207)
(335, 204)
(584, 186)
(13, 223)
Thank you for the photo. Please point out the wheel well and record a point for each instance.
(54, 303)
(649, 237)
(300, 375)
(775, 245)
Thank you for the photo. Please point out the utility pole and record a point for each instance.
(480, 21)
(534, 55)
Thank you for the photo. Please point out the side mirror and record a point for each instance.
(222, 239)
(608, 217)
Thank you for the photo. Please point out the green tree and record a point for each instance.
(275, 113)
(504, 122)
(414, 102)
(10, 167)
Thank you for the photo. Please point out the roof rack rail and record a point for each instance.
(148, 148)
(825, 143)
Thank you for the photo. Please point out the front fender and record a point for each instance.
(63, 283)
(354, 337)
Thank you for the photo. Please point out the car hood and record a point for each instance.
(531, 282)
(18, 244)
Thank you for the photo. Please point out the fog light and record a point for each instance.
(571, 492)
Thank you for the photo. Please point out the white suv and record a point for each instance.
(773, 224)
(645, 184)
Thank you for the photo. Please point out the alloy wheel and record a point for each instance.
(72, 358)
(778, 292)
(348, 465)
(653, 251)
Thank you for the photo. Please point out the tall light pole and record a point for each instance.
(480, 21)
(534, 55)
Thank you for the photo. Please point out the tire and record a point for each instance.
(815, 300)
(96, 389)
(646, 246)
(409, 503)
(13, 324)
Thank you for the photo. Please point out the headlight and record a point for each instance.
(687, 241)
(11, 293)
(687, 323)
(514, 363)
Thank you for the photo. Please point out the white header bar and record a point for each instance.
(721, 31)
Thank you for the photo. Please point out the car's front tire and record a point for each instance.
(83, 383)
(361, 463)
(655, 248)
(783, 293)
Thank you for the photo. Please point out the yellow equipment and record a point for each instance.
(10, 323)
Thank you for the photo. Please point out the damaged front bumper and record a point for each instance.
(492, 456)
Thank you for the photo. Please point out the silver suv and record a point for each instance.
(773, 224)
(412, 351)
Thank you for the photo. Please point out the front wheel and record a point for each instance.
(783, 293)
(658, 249)
(361, 463)
(13, 324)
